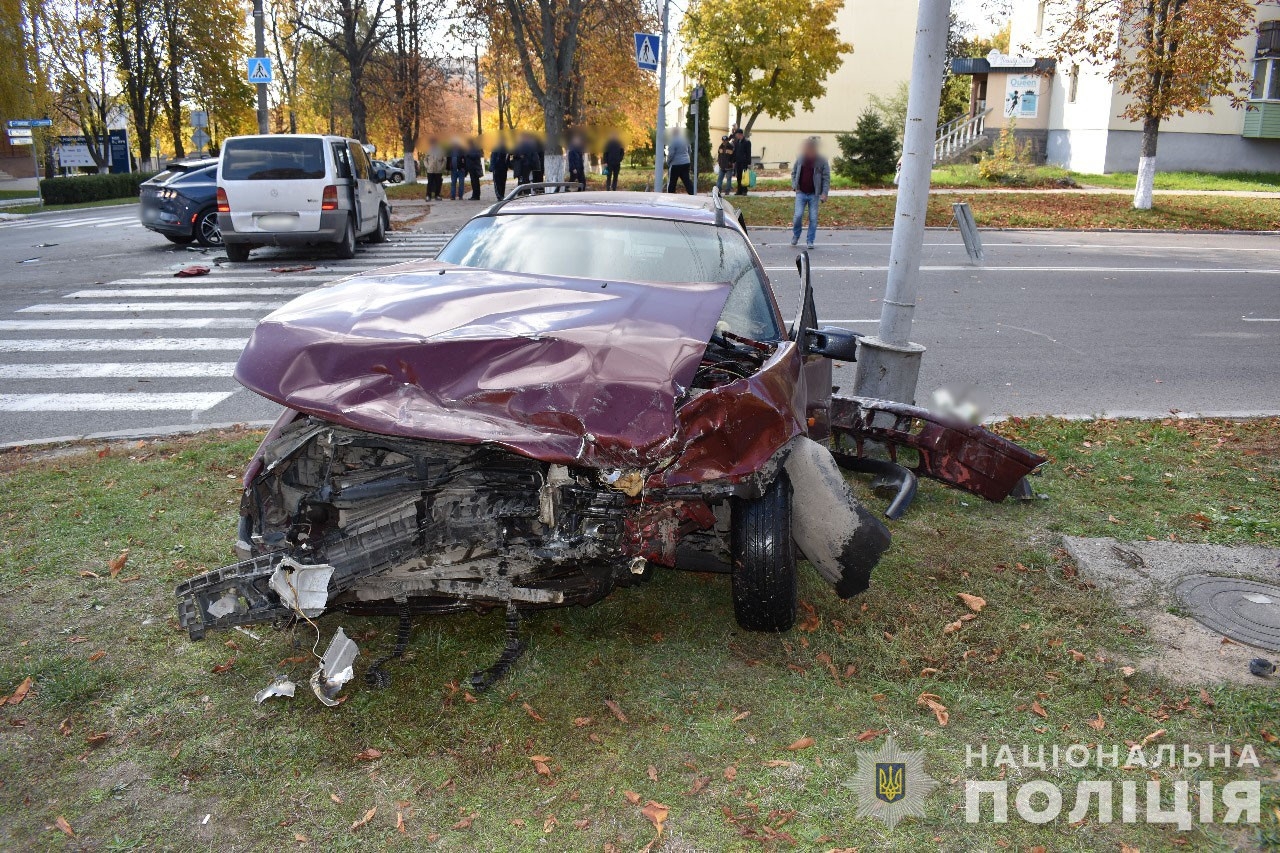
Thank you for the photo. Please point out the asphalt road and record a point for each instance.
(96, 335)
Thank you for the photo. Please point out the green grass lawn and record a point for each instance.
(1237, 181)
(1036, 210)
(133, 734)
(35, 208)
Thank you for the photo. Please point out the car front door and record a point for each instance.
(366, 200)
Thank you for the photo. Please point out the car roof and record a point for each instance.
(685, 208)
(191, 165)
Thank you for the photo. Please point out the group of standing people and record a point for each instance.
(734, 159)
(465, 162)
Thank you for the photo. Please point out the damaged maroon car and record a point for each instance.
(580, 388)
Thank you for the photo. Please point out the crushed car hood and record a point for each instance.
(571, 371)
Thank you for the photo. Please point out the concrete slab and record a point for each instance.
(1141, 576)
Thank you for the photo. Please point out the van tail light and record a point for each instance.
(329, 201)
(224, 205)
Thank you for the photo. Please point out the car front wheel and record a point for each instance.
(206, 228)
(764, 560)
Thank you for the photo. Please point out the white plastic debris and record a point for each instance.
(302, 588)
(335, 668)
(281, 686)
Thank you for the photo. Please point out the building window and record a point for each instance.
(1073, 84)
(1266, 80)
(1268, 39)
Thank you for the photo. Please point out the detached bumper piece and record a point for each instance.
(946, 449)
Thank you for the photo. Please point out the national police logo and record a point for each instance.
(889, 780)
(891, 783)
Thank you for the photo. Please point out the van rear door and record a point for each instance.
(274, 183)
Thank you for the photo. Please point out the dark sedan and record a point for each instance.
(180, 202)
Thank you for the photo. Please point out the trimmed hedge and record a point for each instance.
(84, 188)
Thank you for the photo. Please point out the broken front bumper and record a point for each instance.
(946, 449)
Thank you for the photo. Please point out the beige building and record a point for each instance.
(883, 37)
(1075, 122)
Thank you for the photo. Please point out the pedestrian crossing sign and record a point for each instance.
(647, 51)
(259, 69)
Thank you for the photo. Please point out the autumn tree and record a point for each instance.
(354, 30)
(1170, 57)
(85, 90)
(135, 42)
(768, 56)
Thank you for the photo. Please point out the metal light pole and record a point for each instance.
(260, 49)
(698, 92)
(660, 131)
(889, 363)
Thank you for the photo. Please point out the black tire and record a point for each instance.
(396, 177)
(347, 246)
(206, 228)
(180, 239)
(764, 560)
(237, 252)
(379, 234)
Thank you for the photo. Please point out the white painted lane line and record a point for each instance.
(145, 293)
(178, 402)
(113, 222)
(132, 307)
(214, 278)
(1084, 270)
(84, 324)
(181, 369)
(80, 222)
(124, 345)
(825, 322)
(1261, 319)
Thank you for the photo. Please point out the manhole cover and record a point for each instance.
(1240, 609)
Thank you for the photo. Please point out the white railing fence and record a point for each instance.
(958, 135)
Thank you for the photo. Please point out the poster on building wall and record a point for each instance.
(1022, 96)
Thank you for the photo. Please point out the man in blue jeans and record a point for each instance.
(811, 180)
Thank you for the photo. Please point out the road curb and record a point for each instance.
(131, 434)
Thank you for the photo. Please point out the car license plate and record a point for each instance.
(277, 221)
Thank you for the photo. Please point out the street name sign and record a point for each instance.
(30, 122)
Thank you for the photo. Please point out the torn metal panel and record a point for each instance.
(335, 668)
(837, 534)
(949, 450)
(731, 432)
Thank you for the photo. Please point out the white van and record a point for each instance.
(299, 189)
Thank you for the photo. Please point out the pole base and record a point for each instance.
(888, 371)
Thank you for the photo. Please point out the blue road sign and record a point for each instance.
(258, 69)
(30, 122)
(647, 51)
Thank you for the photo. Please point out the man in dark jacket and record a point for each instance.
(577, 161)
(456, 160)
(525, 154)
(475, 167)
(724, 160)
(499, 162)
(613, 154)
(741, 158)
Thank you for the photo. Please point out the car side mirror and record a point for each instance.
(380, 176)
(834, 343)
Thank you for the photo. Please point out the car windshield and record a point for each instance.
(623, 249)
(275, 158)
